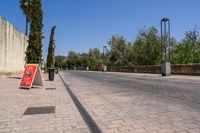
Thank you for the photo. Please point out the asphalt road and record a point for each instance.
(138, 102)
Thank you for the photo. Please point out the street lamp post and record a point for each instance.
(165, 46)
(104, 48)
(104, 66)
(42, 63)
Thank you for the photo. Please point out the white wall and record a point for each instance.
(13, 45)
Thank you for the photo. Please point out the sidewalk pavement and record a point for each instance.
(14, 102)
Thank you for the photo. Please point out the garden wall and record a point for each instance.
(179, 69)
(13, 45)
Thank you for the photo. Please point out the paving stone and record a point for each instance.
(143, 103)
(15, 101)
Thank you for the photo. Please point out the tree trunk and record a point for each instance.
(26, 25)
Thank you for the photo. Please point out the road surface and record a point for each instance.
(138, 103)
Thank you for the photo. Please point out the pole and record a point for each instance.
(103, 55)
(161, 42)
(165, 46)
(165, 39)
(104, 47)
(169, 39)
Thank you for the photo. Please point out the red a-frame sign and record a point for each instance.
(31, 76)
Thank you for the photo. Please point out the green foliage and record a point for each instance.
(145, 50)
(188, 50)
(83, 60)
(95, 57)
(60, 62)
(72, 59)
(50, 58)
(129, 54)
(25, 6)
(117, 52)
(91, 59)
(34, 49)
(56, 70)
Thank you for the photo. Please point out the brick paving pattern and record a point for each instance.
(14, 102)
(134, 103)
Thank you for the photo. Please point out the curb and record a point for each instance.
(91, 124)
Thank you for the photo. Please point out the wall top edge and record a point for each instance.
(4, 19)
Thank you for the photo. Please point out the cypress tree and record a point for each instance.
(34, 49)
(51, 48)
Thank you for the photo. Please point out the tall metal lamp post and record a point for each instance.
(104, 55)
(42, 64)
(104, 49)
(165, 46)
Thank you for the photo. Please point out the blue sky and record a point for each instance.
(84, 24)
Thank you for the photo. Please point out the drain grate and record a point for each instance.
(50, 88)
(39, 110)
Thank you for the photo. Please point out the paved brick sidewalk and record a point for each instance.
(14, 102)
(135, 104)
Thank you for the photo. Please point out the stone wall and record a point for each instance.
(137, 69)
(179, 69)
(13, 45)
(186, 69)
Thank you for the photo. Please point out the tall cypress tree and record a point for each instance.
(51, 48)
(34, 49)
